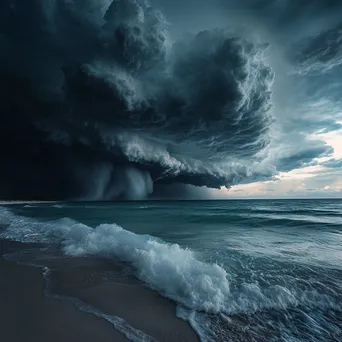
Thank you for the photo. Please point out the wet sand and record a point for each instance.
(26, 314)
(142, 308)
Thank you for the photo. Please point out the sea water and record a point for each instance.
(256, 270)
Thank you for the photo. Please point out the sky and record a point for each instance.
(130, 99)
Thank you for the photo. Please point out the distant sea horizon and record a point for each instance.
(21, 201)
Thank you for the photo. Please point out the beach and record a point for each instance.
(236, 270)
(27, 314)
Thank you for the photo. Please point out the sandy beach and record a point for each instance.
(26, 314)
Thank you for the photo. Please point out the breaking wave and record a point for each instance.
(175, 272)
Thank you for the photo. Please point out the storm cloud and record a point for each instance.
(333, 163)
(100, 101)
(321, 53)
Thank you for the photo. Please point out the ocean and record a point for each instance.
(238, 270)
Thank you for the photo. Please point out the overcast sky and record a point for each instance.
(126, 99)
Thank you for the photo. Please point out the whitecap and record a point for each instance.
(175, 272)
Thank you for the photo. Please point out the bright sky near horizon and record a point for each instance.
(316, 181)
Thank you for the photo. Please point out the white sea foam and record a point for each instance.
(58, 206)
(173, 271)
(119, 324)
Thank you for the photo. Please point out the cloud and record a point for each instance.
(99, 101)
(302, 156)
(101, 77)
(294, 151)
(322, 53)
(312, 126)
(308, 182)
(333, 163)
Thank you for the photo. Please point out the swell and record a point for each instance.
(200, 288)
(314, 212)
(171, 270)
(264, 219)
(175, 272)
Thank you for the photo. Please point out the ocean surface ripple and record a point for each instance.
(239, 270)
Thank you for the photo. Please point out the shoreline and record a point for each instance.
(27, 314)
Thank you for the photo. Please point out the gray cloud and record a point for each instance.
(321, 53)
(100, 102)
(294, 151)
(333, 163)
(313, 125)
(101, 77)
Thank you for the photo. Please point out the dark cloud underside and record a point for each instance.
(100, 102)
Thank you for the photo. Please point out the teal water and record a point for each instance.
(239, 270)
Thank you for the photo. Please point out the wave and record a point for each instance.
(173, 271)
(264, 220)
(39, 205)
(58, 206)
(314, 212)
(330, 220)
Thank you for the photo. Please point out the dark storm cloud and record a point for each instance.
(303, 156)
(321, 53)
(178, 190)
(97, 103)
(333, 163)
(272, 13)
(313, 125)
(298, 152)
(297, 18)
